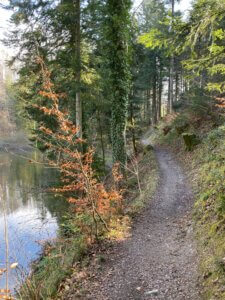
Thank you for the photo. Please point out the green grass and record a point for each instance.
(56, 264)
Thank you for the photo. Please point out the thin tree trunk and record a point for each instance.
(148, 97)
(154, 95)
(171, 85)
(168, 101)
(78, 67)
(143, 107)
(154, 103)
(182, 80)
(133, 127)
(160, 100)
(160, 92)
(101, 137)
(177, 87)
(170, 104)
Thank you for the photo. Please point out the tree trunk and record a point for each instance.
(160, 92)
(78, 67)
(101, 136)
(170, 104)
(118, 37)
(171, 85)
(148, 107)
(133, 127)
(182, 81)
(154, 95)
(168, 101)
(177, 89)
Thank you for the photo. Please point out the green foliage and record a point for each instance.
(166, 32)
(205, 40)
(153, 39)
(216, 137)
(200, 103)
(210, 211)
(181, 120)
(56, 21)
(213, 166)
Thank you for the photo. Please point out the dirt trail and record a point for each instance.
(159, 260)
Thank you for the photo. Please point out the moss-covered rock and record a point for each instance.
(190, 140)
(166, 130)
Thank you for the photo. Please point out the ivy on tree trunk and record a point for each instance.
(117, 47)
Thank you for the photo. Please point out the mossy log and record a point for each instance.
(190, 140)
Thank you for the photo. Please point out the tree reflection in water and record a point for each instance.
(32, 214)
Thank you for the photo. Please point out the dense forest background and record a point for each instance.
(93, 76)
(7, 111)
(118, 70)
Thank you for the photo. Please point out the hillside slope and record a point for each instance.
(205, 164)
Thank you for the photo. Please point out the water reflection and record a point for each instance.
(32, 216)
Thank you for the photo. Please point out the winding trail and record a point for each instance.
(159, 261)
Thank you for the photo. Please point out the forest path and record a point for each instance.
(159, 260)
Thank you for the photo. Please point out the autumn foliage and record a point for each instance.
(92, 202)
(220, 102)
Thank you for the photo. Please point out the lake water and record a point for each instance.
(32, 215)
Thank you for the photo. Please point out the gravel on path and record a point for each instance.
(159, 260)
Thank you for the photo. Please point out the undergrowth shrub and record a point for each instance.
(212, 170)
(216, 137)
(199, 102)
(210, 211)
(95, 206)
(93, 203)
(180, 120)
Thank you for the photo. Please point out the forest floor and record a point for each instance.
(159, 260)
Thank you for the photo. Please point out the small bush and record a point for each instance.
(199, 102)
(215, 136)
